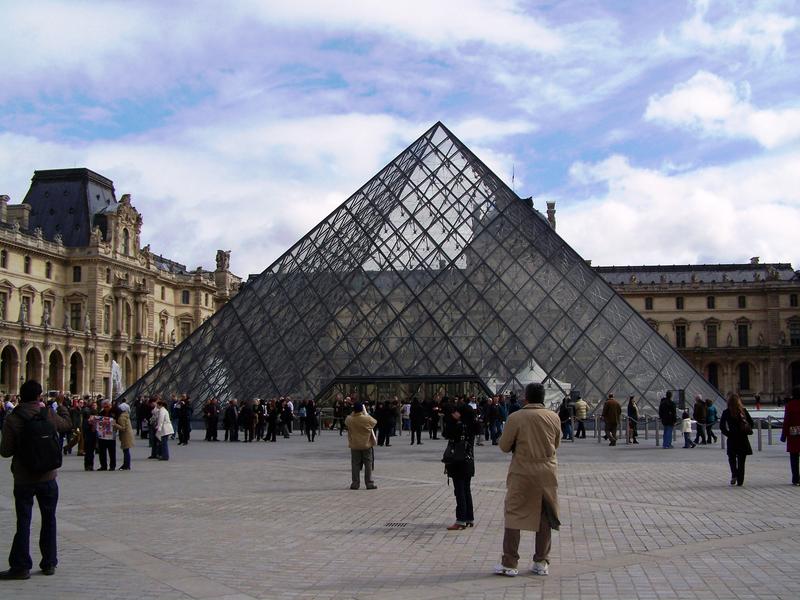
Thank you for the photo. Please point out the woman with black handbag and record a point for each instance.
(459, 459)
(737, 425)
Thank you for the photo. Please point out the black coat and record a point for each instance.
(417, 415)
(668, 413)
(462, 430)
(732, 428)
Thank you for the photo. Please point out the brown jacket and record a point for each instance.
(123, 426)
(612, 411)
(533, 434)
(359, 431)
(12, 432)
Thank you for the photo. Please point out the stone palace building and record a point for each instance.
(77, 290)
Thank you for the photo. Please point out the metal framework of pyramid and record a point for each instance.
(434, 270)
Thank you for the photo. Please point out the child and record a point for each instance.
(686, 428)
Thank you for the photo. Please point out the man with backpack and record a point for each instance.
(31, 437)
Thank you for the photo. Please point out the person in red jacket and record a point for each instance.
(791, 433)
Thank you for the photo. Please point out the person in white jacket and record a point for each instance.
(163, 429)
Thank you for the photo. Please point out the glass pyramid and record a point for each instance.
(434, 270)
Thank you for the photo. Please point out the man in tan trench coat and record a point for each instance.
(532, 434)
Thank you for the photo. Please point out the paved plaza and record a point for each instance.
(260, 520)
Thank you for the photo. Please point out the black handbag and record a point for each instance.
(455, 452)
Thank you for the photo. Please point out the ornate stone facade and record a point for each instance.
(78, 291)
(738, 324)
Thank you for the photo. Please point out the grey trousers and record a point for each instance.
(511, 544)
(357, 459)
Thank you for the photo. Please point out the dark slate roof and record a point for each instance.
(747, 272)
(67, 201)
(165, 264)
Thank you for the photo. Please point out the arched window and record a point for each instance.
(126, 242)
(744, 376)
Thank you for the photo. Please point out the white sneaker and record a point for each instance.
(540, 568)
(507, 571)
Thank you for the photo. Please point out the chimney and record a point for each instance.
(754, 260)
(551, 213)
(4, 200)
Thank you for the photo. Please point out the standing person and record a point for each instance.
(417, 415)
(361, 441)
(686, 429)
(383, 415)
(612, 411)
(737, 425)
(89, 432)
(581, 412)
(434, 420)
(261, 418)
(125, 430)
(312, 421)
(31, 421)
(405, 410)
(565, 415)
(163, 429)
(106, 438)
(287, 416)
(230, 421)
(532, 434)
(461, 432)
(247, 421)
(668, 413)
(791, 433)
(301, 416)
(155, 443)
(699, 416)
(711, 419)
(272, 421)
(184, 411)
(211, 417)
(633, 420)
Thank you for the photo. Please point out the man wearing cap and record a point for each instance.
(29, 484)
(612, 411)
(361, 440)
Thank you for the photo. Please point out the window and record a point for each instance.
(107, 319)
(3, 305)
(26, 311)
(713, 374)
(744, 376)
(793, 300)
(742, 301)
(679, 303)
(185, 296)
(742, 328)
(75, 316)
(711, 303)
(126, 242)
(648, 303)
(163, 292)
(27, 264)
(3, 258)
(794, 332)
(680, 336)
(108, 276)
(186, 329)
(206, 300)
(48, 269)
(76, 274)
(711, 335)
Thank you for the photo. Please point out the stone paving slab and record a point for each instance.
(245, 521)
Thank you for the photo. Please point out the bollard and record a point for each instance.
(769, 430)
(760, 423)
(646, 427)
(597, 428)
(572, 420)
(656, 429)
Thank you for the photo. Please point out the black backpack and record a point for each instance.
(40, 446)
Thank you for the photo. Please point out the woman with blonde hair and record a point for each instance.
(737, 425)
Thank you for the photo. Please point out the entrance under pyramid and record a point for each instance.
(434, 275)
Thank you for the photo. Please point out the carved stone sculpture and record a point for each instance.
(223, 260)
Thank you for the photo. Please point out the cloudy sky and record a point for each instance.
(667, 132)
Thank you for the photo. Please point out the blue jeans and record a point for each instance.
(164, 447)
(463, 494)
(126, 458)
(46, 494)
(667, 436)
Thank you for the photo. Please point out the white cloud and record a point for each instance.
(759, 31)
(713, 106)
(645, 216)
